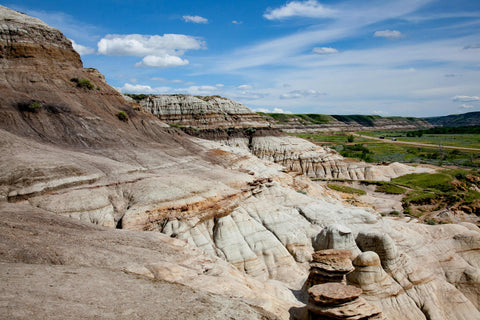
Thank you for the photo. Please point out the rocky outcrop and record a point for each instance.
(233, 124)
(202, 113)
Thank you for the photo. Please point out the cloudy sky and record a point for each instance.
(400, 57)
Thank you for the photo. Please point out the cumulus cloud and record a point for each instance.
(163, 61)
(158, 51)
(82, 50)
(139, 88)
(324, 50)
(143, 45)
(466, 99)
(195, 19)
(308, 9)
(297, 94)
(389, 34)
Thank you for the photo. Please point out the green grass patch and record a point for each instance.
(83, 83)
(345, 189)
(389, 188)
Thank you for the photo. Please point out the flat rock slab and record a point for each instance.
(335, 260)
(333, 293)
(359, 309)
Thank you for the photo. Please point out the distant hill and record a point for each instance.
(321, 122)
(456, 120)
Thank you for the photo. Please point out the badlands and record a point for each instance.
(109, 212)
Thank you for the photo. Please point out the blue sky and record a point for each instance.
(401, 57)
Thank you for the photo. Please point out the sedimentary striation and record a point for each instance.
(244, 227)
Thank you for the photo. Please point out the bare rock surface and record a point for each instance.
(79, 270)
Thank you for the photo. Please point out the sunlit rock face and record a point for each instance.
(73, 157)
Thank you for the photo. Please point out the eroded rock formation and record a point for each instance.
(65, 152)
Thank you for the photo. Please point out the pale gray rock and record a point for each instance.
(337, 236)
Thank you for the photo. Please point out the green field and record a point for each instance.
(374, 151)
(470, 140)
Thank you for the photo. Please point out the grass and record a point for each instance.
(389, 188)
(345, 189)
(83, 83)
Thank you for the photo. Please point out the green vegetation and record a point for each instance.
(83, 83)
(137, 97)
(30, 106)
(304, 119)
(448, 188)
(364, 120)
(346, 189)
(122, 115)
(389, 188)
(350, 138)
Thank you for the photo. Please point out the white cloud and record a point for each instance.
(297, 94)
(275, 110)
(237, 22)
(195, 19)
(324, 50)
(466, 99)
(390, 34)
(309, 9)
(219, 85)
(143, 45)
(279, 110)
(245, 87)
(163, 61)
(139, 88)
(158, 51)
(82, 50)
(466, 106)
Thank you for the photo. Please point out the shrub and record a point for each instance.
(122, 115)
(136, 97)
(83, 83)
(350, 138)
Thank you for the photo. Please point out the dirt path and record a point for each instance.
(416, 144)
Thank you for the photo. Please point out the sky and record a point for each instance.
(392, 58)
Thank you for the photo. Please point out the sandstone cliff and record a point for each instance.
(245, 228)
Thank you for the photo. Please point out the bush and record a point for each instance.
(122, 115)
(350, 138)
(83, 83)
